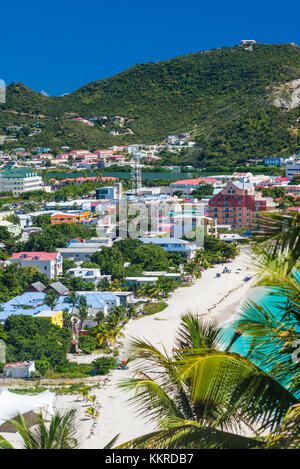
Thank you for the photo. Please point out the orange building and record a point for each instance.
(69, 217)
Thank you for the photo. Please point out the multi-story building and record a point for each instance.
(293, 170)
(49, 263)
(274, 161)
(109, 192)
(239, 205)
(79, 251)
(20, 180)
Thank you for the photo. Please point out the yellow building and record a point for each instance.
(56, 317)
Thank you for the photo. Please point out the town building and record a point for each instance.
(56, 317)
(20, 180)
(88, 274)
(239, 205)
(293, 170)
(21, 370)
(109, 192)
(79, 251)
(179, 246)
(49, 263)
(186, 186)
(274, 161)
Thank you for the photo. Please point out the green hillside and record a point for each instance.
(224, 96)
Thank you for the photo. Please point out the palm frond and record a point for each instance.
(5, 444)
(280, 234)
(195, 333)
(190, 435)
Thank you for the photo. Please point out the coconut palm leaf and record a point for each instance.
(58, 435)
(189, 434)
(280, 234)
(112, 442)
(194, 333)
(4, 444)
(231, 380)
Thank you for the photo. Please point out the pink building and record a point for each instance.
(239, 205)
(49, 263)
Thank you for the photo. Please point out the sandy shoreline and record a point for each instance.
(214, 298)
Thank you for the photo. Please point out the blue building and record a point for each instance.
(274, 161)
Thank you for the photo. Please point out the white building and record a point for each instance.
(49, 263)
(18, 370)
(20, 180)
(89, 275)
(79, 251)
(293, 170)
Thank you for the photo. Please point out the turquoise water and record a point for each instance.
(266, 297)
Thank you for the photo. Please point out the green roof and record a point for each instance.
(18, 173)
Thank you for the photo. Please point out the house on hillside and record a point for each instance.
(49, 263)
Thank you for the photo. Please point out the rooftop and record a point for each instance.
(35, 256)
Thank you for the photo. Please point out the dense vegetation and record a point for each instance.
(30, 338)
(56, 236)
(14, 280)
(223, 96)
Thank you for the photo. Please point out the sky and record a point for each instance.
(58, 46)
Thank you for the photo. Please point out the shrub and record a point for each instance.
(42, 366)
(87, 343)
(103, 365)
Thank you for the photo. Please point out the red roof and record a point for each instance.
(43, 256)
(293, 209)
(282, 179)
(194, 182)
(16, 364)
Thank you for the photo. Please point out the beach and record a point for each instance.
(214, 298)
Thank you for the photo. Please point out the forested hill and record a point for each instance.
(239, 102)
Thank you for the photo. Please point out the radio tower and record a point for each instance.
(136, 176)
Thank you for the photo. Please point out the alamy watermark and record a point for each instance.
(2, 351)
(142, 219)
(296, 352)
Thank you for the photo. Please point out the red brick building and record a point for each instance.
(239, 205)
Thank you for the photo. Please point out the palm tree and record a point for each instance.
(60, 434)
(82, 309)
(51, 298)
(200, 396)
(72, 299)
(272, 337)
(279, 234)
(67, 318)
(99, 317)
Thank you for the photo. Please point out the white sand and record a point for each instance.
(117, 416)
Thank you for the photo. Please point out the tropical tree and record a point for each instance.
(82, 309)
(59, 434)
(272, 332)
(51, 298)
(201, 396)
